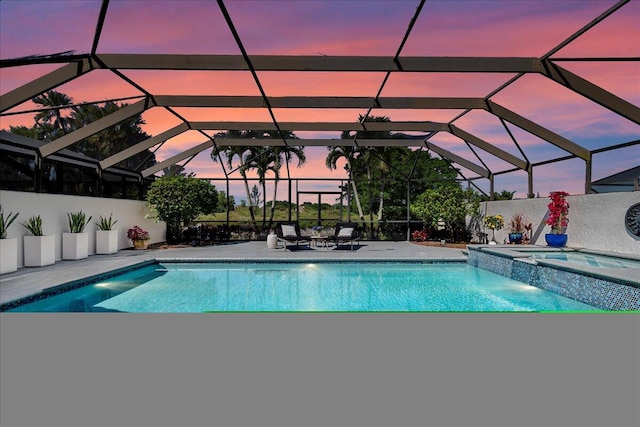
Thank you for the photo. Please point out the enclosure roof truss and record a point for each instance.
(548, 66)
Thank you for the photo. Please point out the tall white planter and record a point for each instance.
(106, 241)
(8, 255)
(75, 245)
(39, 250)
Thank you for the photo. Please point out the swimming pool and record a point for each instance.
(305, 287)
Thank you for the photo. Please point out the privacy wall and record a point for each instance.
(53, 209)
(596, 221)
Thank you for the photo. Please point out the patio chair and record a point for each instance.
(346, 232)
(289, 234)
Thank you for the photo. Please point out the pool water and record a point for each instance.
(599, 261)
(267, 287)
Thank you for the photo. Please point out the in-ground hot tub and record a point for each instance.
(606, 280)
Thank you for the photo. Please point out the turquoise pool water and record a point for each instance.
(266, 287)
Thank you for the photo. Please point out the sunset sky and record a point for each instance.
(359, 28)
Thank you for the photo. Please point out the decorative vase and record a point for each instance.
(140, 244)
(106, 241)
(272, 241)
(75, 245)
(9, 258)
(39, 250)
(515, 238)
(556, 240)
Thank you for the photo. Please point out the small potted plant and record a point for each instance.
(494, 222)
(518, 225)
(8, 247)
(557, 219)
(75, 243)
(139, 237)
(39, 250)
(420, 235)
(106, 236)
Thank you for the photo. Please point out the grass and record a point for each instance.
(308, 215)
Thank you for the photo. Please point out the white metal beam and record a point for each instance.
(321, 63)
(537, 130)
(175, 159)
(141, 146)
(93, 128)
(457, 159)
(43, 84)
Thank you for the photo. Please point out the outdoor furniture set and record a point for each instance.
(288, 233)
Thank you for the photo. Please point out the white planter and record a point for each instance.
(8, 255)
(75, 245)
(272, 241)
(39, 250)
(106, 241)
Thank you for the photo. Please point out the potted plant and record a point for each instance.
(75, 243)
(420, 235)
(518, 225)
(557, 219)
(8, 247)
(39, 250)
(106, 236)
(494, 222)
(139, 237)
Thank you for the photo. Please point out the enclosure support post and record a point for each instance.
(587, 178)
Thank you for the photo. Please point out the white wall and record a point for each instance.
(53, 209)
(596, 221)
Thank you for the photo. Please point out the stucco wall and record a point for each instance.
(53, 209)
(596, 221)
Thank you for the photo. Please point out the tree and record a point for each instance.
(225, 203)
(348, 153)
(50, 123)
(50, 118)
(178, 200)
(262, 159)
(287, 152)
(231, 152)
(380, 174)
(503, 195)
(255, 195)
(448, 203)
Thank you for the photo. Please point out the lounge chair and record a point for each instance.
(289, 234)
(346, 232)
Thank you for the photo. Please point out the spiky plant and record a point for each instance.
(34, 225)
(77, 221)
(6, 222)
(105, 224)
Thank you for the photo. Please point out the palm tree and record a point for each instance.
(230, 152)
(261, 160)
(348, 153)
(53, 102)
(285, 153)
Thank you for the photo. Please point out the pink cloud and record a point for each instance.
(453, 28)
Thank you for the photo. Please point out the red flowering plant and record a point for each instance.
(419, 235)
(137, 233)
(558, 212)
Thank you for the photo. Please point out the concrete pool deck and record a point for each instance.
(29, 281)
